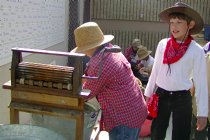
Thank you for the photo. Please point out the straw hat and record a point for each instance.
(140, 46)
(183, 8)
(89, 36)
(142, 53)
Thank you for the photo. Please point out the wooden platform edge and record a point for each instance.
(7, 85)
(30, 108)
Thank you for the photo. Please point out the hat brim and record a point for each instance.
(164, 15)
(140, 46)
(143, 56)
(107, 38)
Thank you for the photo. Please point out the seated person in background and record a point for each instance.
(146, 60)
(146, 63)
(130, 54)
(131, 51)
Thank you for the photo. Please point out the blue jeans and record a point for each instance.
(124, 133)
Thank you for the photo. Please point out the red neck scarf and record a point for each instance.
(174, 51)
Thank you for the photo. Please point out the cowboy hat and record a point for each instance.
(185, 9)
(142, 53)
(89, 36)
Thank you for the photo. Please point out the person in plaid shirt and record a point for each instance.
(112, 82)
(131, 51)
(130, 54)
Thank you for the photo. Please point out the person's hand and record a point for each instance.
(144, 71)
(201, 123)
(147, 99)
(84, 79)
(138, 66)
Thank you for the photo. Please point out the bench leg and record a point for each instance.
(14, 116)
(79, 126)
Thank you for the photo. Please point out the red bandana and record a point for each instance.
(174, 51)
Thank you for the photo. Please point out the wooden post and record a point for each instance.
(79, 126)
(14, 116)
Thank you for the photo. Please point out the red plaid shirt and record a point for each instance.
(117, 91)
(129, 53)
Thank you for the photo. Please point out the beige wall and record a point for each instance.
(81, 7)
(132, 25)
(5, 73)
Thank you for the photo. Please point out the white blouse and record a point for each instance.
(191, 66)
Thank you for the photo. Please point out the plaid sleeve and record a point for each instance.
(96, 86)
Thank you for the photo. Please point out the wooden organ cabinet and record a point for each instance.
(46, 89)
